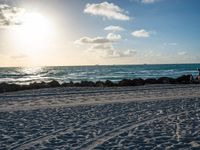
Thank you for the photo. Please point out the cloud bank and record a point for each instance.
(10, 15)
(103, 46)
(110, 38)
(108, 10)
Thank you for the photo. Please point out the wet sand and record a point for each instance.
(142, 117)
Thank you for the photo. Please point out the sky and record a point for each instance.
(90, 32)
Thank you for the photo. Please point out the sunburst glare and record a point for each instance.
(33, 36)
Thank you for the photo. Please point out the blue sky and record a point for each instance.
(99, 32)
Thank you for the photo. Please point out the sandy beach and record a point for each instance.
(99, 75)
(142, 117)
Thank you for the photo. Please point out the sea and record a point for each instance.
(26, 75)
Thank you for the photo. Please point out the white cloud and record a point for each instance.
(149, 1)
(129, 53)
(10, 15)
(114, 28)
(103, 46)
(104, 50)
(108, 51)
(108, 10)
(141, 33)
(113, 37)
(95, 40)
(114, 53)
(182, 53)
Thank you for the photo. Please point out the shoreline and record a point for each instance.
(184, 79)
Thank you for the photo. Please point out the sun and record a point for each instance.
(34, 34)
(35, 26)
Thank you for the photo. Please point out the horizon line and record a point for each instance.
(140, 64)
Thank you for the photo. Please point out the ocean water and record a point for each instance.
(94, 73)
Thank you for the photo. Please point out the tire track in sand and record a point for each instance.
(109, 135)
(40, 139)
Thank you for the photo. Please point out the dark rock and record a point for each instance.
(99, 84)
(126, 82)
(33, 85)
(109, 83)
(166, 80)
(151, 81)
(138, 81)
(36, 85)
(87, 83)
(66, 84)
(76, 84)
(198, 78)
(185, 79)
(53, 83)
(24, 87)
(43, 84)
(5, 87)
(71, 83)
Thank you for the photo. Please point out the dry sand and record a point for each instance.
(143, 117)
